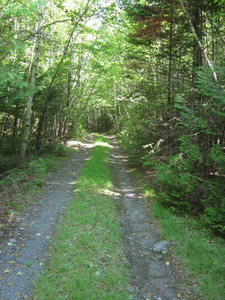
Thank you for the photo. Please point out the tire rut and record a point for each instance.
(24, 254)
(151, 277)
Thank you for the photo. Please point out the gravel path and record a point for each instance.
(152, 275)
(25, 253)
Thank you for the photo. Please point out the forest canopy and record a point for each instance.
(151, 72)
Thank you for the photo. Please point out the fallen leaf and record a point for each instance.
(38, 234)
(6, 271)
(10, 284)
(178, 295)
(167, 263)
(19, 273)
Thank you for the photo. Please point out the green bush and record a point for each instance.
(218, 159)
(8, 163)
(30, 174)
(178, 181)
(177, 186)
(213, 216)
(182, 190)
(53, 148)
(191, 154)
(77, 131)
(135, 134)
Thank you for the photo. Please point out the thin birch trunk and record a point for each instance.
(70, 40)
(34, 70)
(169, 93)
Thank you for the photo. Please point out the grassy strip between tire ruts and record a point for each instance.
(85, 258)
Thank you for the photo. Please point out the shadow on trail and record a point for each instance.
(151, 274)
(24, 253)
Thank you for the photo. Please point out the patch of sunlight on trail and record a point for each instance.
(110, 193)
(103, 144)
(79, 144)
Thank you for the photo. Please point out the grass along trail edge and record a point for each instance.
(86, 260)
(198, 252)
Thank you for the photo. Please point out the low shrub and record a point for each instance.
(213, 216)
(181, 188)
(53, 148)
(176, 187)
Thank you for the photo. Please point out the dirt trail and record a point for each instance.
(151, 274)
(26, 252)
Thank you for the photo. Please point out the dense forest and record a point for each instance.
(151, 72)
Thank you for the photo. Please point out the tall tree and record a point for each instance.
(78, 21)
(35, 54)
(196, 28)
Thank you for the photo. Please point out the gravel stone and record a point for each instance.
(162, 246)
(12, 240)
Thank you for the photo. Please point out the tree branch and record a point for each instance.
(198, 40)
(35, 33)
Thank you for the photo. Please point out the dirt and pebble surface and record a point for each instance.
(148, 257)
(24, 254)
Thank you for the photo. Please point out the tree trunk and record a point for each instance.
(46, 100)
(199, 42)
(34, 70)
(169, 95)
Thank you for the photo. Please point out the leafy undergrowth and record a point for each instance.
(85, 259)
(19, 186)
(198, 251)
